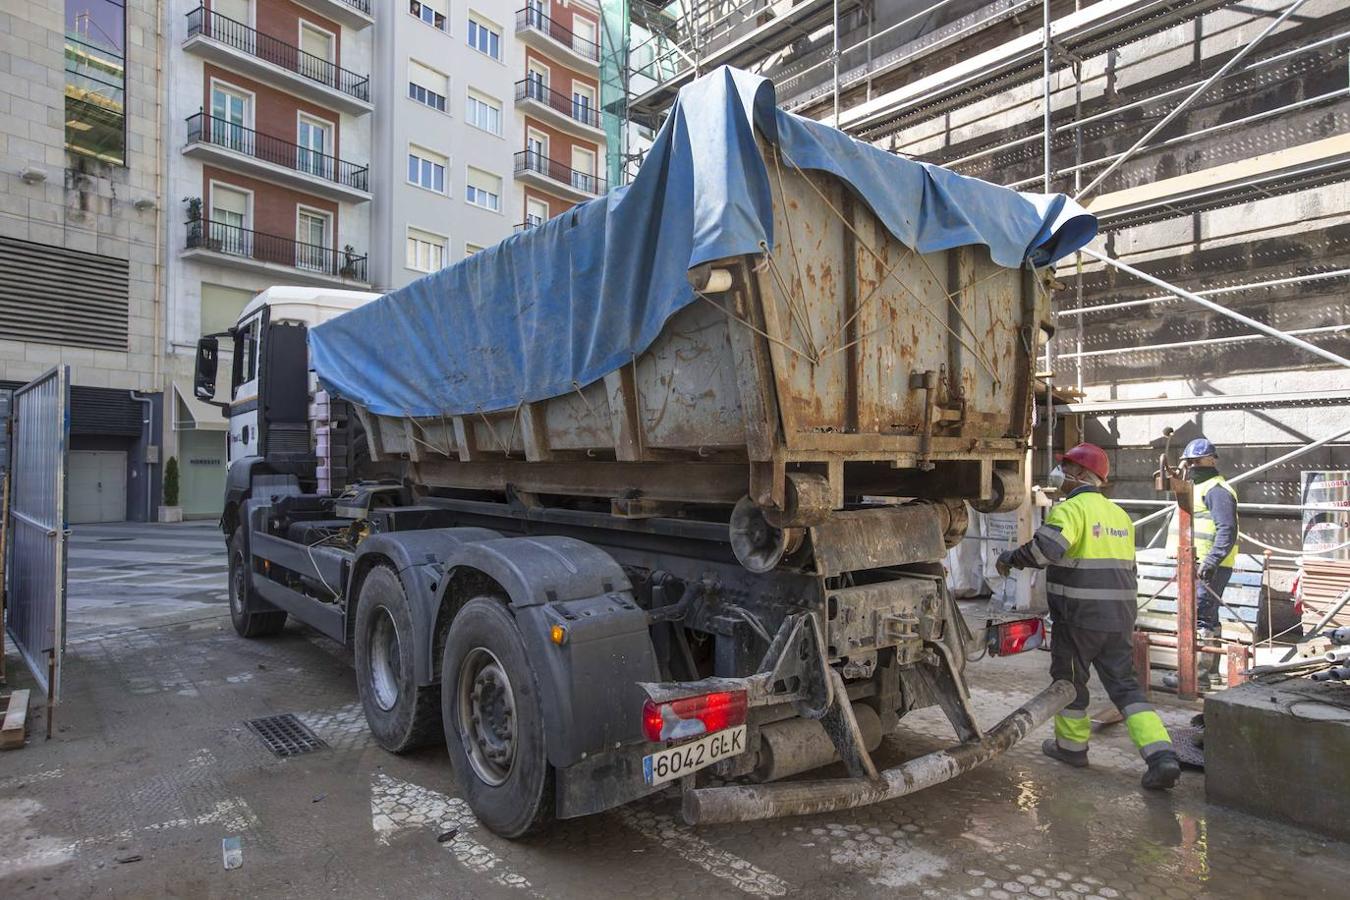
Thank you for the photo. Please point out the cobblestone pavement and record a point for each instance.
(152, 766)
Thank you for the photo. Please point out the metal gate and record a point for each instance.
(37, 527)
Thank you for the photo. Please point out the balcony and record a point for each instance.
(561, 111)
(241, 248)
(530, 222)
(244, 150)
(250, 52)
(549, 36)
(556, 178)
(354, 14)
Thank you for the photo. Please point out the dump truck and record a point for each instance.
(660, 488)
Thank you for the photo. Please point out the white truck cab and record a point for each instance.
(269, 384)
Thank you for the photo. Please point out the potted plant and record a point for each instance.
(348, 269)
(171, 511)
(194, 221)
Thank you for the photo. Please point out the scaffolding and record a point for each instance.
(1047, 67)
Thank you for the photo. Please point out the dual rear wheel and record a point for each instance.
(486, 703)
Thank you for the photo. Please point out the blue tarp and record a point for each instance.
(563, 304)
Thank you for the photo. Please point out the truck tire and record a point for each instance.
(251, 616)
(494, 724)
(401, 715)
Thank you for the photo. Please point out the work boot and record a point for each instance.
(1076, 758)
(1164, 770)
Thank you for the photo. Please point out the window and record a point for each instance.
(311, 235)
(471, 249)
(427, 86)
(316, 60)
(95, 51)
(229, 221)
(485, 39)
(312, 140)
(536, 150)
(483, 189)
(583, 103)
(230, 118)
(426, 251)
(432, 13)
(536, 212)
(483, 112)
(583, 170)
(245, 357)
(583, 37)
(427, 169)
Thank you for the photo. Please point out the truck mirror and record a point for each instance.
(208, 356)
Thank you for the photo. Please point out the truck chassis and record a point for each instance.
(558, 649)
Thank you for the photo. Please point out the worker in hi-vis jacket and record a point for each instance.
(1086, 546)
(1214, 530)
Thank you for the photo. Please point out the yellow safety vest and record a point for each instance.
(1203, 530)
(1093, 583)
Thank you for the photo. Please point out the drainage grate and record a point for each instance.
(285, 735)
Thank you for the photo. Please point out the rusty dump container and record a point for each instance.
(841, 365)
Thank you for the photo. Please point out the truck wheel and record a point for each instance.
(401, 715)
(251, 617)
(494, 726)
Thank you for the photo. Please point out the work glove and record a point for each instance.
(1004, 564)
(1204, 570)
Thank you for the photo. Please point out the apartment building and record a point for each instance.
(79, 235)
(488, 122)
(268, 126)
(562, 161)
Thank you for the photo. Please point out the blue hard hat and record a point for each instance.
(1198, 448)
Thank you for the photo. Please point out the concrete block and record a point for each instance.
(1280, 751)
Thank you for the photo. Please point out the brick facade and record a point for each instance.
(274, 207)
(274, 111)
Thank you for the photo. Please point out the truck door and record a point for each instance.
(244, 438)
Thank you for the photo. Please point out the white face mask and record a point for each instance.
(1057, 477)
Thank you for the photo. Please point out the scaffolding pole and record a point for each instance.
(1221, 309)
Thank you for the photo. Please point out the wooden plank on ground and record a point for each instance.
(16, 721)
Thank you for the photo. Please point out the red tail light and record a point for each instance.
(1016, 637)
(693, 716)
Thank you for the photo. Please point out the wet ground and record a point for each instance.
(151, 766)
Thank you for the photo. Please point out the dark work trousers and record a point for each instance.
(1207, 597)
(1073, 650)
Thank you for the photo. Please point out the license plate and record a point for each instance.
(675, 762)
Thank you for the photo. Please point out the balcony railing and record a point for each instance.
(532, 19)
(361, 5)
(271, 248)
(269, 49)
(530, 161)
(221, 133)
(529, 89)
(530, 222)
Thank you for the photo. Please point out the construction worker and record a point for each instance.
(1086, 547)
(1214, 529)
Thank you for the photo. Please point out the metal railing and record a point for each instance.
(220, 237)
(359, 5)
(530, 161)
(530, 222)
(530, 89)
(222, 133)
(269, 49)
(533, 19)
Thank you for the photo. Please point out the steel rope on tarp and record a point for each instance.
(948, 295)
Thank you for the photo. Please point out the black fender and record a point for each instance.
(591, 699)
(238, 488)
(417, 557)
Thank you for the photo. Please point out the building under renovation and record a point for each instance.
(1208, 137)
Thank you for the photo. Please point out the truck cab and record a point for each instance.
(270, 388)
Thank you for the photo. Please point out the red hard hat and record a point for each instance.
(1090, 457)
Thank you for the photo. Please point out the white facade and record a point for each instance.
(477, 159)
